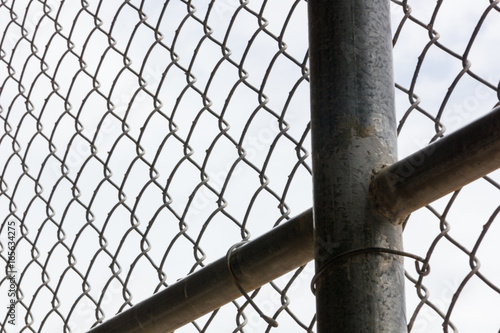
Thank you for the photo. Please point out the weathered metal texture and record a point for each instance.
(262, 260)
(445, 166)
(353, 130)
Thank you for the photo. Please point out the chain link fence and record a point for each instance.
(140, 141)
(447, 76)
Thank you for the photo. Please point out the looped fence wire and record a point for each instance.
(446, 76)
(141, 140)
(268, 320)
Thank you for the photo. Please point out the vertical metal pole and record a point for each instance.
(353, 134)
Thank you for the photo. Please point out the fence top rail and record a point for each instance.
(444, 166)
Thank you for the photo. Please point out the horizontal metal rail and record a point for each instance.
(440, 168)
(262, 260)
(397, 190)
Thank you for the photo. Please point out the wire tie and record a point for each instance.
(267, 319)
(368, 250)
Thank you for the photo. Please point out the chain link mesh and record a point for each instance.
(447, 75)
(141, 140)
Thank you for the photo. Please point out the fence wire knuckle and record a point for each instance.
(126, 101)
(431, 306)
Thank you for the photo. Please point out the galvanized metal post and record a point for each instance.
(353, 136)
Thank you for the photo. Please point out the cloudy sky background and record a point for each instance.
(478, 305)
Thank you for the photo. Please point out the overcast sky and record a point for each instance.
(104, 109)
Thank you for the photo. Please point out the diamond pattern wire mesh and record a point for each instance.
(141, 140)
(138, 145)
(446, 76)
